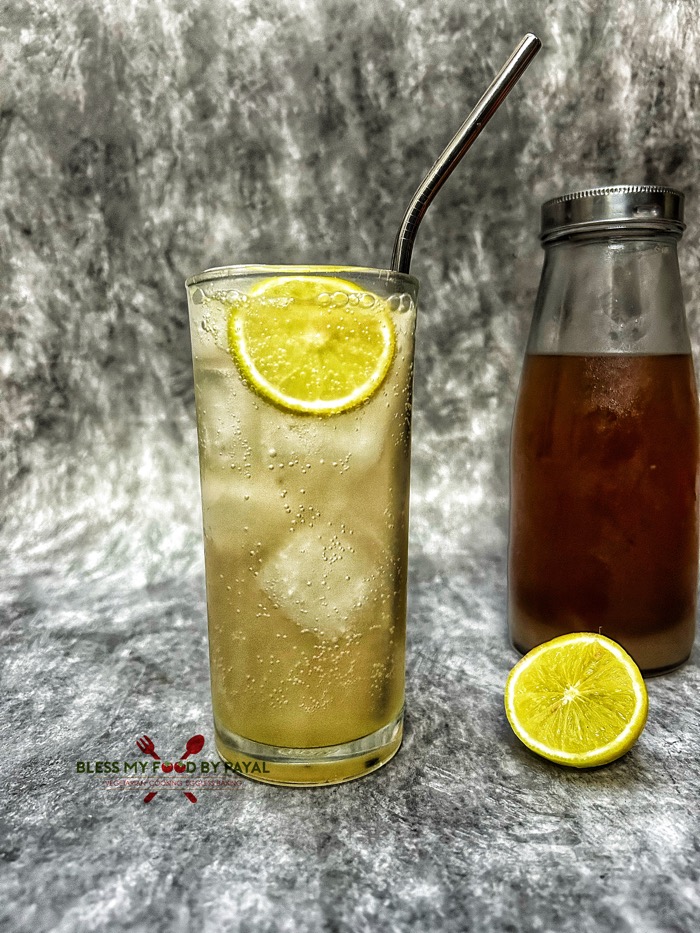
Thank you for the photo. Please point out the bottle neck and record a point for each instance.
(611, 293)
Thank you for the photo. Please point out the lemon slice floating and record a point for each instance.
(578, 700)
(312, 344)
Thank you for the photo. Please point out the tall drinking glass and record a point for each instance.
(303, 379)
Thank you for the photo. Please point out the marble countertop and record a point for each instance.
(465, 830)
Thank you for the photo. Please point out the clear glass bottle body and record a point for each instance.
(605, 453)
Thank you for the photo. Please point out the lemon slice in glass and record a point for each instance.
(578, 700)
(312, 344)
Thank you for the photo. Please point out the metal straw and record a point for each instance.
(492, 99)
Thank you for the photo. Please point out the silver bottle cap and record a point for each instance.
(621, 207)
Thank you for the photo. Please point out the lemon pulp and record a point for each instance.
(312, 344)
(578, 700)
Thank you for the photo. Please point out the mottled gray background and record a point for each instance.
(144, 140)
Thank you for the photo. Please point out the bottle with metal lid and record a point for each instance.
(605, 447)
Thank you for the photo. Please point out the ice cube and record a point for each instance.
(229, 417)
(209, 330)
(326, 582)
(326, 447)
(244, 512)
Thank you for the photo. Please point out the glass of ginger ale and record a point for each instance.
(303, 379)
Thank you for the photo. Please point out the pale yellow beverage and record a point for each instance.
(303, 389)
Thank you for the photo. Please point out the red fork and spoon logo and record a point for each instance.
(194, 745)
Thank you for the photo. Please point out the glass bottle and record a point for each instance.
(605, 443)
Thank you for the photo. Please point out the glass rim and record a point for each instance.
(239, 271)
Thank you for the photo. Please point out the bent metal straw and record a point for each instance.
(460, 143)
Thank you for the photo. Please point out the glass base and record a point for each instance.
(310, 767)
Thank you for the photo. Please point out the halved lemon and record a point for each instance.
(578, 700)
(312, 344)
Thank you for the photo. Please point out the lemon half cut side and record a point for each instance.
(578, 700)
(312, 344)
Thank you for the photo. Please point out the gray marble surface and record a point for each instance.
(144, 141)
(464, 830)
